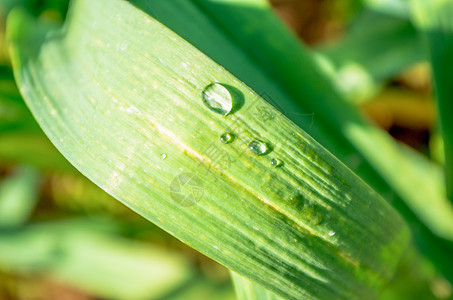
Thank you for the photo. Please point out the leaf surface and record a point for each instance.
(120, 95)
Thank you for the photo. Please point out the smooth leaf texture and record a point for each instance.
(286, 75)
(119, 95)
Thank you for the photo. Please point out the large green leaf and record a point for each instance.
(337, 126)
(120, 95)
(286, 75)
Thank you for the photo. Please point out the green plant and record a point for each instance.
(139, 96)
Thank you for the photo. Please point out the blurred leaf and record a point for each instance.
(76, 193)
(417, 279)
(435, 19)
(403, 108)
(203, 289)
(14, 114)
(436, 148)
(83, 254)
(90, 85)
(247, 290)
(376, 47)
(21, 139)
(36, 7)
(398, 8)
(18, 195)
(33, 149)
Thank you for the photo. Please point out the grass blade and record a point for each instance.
(435, 19)
(338, 126)
(375, 47)
(18, 195)
(115, 98)
(285, 75)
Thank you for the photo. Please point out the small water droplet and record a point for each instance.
(227, 138)
(259, 148)
(276, 163)
(332, 233)
(311, 214)
(163, 156)
(218, 99)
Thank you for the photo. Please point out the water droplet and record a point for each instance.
(163, 156)
(276, 163)
(331, 233)
(259, 148)
(311, 214)
(226, 138)
(218, 99)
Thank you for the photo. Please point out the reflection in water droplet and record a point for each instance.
(332, 233)
(259, 148)
(218, 99)
(276, 163)
(163, 156)
(227, 138)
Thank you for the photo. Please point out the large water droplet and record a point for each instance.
(226, 138)
(276, 163)
(218, 99)
(259, 148)
(331, 233)
(163, 156)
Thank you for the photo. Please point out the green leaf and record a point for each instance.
(21, 139)
(247, 290)
(85, 254)
(435, 19)
(286, 75)
(398, 8)
(18, 195)
(277, 72)
(375, 47)
(120, 95)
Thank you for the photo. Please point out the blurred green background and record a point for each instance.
(61, 237)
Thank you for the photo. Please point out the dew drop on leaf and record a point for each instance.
(259, 148)
(218, 99)
(311, 214)
(226, 138)
(276, 163)
(163, 156)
